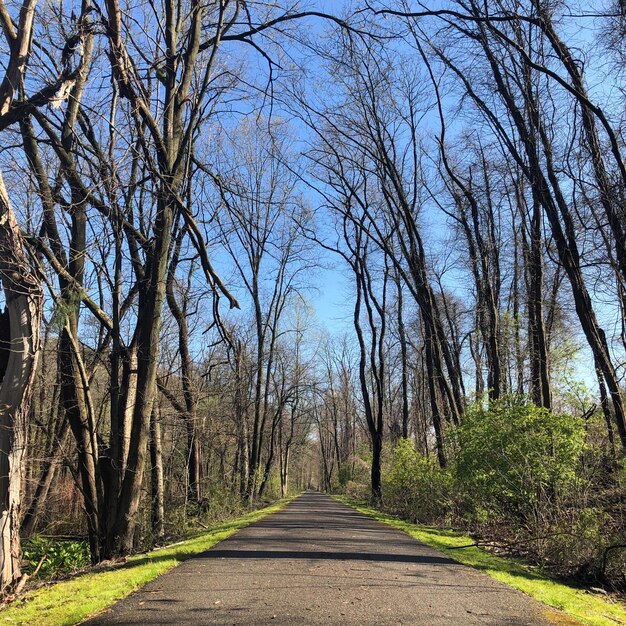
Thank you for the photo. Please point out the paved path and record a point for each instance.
(320, 562)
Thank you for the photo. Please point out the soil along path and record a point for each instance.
(321, 562)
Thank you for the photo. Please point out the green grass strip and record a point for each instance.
(586, 607)
(69, 602)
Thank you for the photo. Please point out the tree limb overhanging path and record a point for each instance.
(320, 562)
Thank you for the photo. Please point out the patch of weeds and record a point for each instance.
(54, 557)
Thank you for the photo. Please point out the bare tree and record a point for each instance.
(24, 308)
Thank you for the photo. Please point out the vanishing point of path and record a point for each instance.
(320, 562)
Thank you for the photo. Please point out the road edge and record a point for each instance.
(565, 604)
(73, 601)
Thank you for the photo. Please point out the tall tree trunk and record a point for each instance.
(24, 301)
(194, 462)
(270, 459)
(285, 458)
(151, 296)
(533, 255)
(258, 419)
(74, 391)
(404, 360)
(372, 419)
(157, 508)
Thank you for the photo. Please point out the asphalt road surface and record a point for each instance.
(320, 562)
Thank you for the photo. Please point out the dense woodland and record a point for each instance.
(185, 181)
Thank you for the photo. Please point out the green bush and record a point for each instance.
(516, 459)
(537, 483)
(59, 556)
(415, 487)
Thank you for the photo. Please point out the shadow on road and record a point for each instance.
(335, 556)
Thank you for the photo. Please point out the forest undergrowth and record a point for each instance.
(523, 482)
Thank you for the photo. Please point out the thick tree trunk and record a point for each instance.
(373, 416)
(376, 474)
(120, 538)
(241, 420)
(276, 426)
(539, 372)
(244, 459)
(24, 301)
(74, 393)
(129, 399)
(284, 470)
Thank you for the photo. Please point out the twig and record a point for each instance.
(41, 560)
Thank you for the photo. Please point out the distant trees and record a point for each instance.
(259, 217)
(370, 162)
(336, 412)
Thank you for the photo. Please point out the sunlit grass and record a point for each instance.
(584, 606)
(69, 602)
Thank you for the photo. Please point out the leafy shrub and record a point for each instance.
(414, 486)
(59, 556)
(516, 459)
(218, 504)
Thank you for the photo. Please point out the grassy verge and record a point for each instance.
(585, 607)
(69, 602)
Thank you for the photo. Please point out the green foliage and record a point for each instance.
(272, 488)
(59, 556)
(514, 456)
(576, 541)
(345, 474)
(65, 308)
(219, 503)
(414, 486)
(359, 490)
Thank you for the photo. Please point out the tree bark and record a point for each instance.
(151, 296)
(194, 462)
(24, 301)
